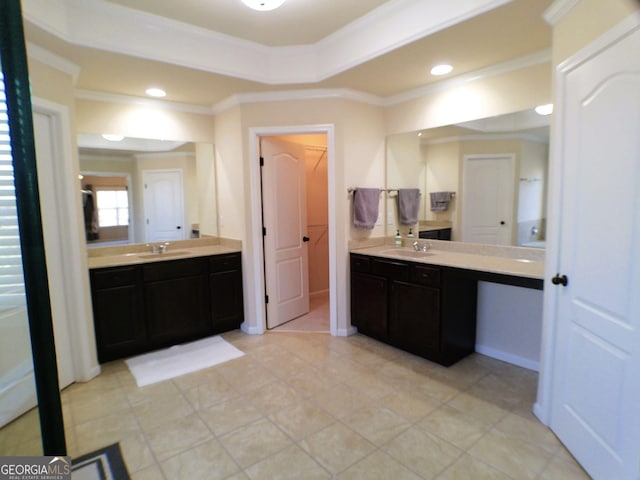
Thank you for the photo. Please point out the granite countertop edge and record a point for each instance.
(524, 266)
(175, 252)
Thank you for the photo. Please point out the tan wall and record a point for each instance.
(142, 121)
(587, 21)
(232, 184)
(507, 93)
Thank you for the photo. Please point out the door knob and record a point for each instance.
(305, 239)
(560, 280)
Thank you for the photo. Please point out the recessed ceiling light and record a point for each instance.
(442, 69)
(263, 5)
(544, 109)
(156, 92)
(112, 138)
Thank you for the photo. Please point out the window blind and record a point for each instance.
(12, 293)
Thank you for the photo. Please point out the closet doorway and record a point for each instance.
(294, 177)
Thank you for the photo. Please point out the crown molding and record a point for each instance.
(295, 95)
(131, 100)
(54, 61)
(538, 58)
(557, 10)
(107, 26)
(486, 137)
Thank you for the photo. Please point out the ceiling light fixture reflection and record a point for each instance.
(112, 137)
(263, 5)
(442, 69)
(544, 109)
(156, 92)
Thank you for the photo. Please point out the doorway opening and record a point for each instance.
(295, 213)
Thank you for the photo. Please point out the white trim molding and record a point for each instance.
(55, 61)
(115, 28)
(557, 10)
(141, 101)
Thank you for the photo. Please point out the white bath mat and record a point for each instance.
(181, 359)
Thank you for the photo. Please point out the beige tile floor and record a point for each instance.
(316, 321)
(305, 406)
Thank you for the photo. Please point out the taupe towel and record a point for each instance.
(440, 201)
(408, 205)
(365, 207)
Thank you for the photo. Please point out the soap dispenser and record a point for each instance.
(410, 234)
(398, 239)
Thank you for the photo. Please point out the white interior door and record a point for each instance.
(163, 205)
(595, 406)
(488, 197)
(285, 221)
(58, 290)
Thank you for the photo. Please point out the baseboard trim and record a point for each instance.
(508, 357)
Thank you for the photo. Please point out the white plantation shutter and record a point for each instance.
(12, 293)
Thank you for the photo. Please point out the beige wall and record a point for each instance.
(231, 174)
(497, 95)
(442, 161)
(587, 21)
(405, 169)
(207, 194)
(142, 121)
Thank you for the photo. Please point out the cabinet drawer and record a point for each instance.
(224, 263)
(393, 270)
(360, 264)
(113, 277)
(423, 275)
(174, 269)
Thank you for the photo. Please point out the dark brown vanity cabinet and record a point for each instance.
(143, 307)
(423, 309)
(176, 300)
(118, 312)
(225, 289)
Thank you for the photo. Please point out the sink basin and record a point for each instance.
(156, 256)
(406, 253)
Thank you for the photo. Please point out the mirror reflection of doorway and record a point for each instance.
(106, 205)
(296, 271)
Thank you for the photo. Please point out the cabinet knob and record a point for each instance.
(560, 280)
(305, 239)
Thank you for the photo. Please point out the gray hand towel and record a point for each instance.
(365, 207)
(440, 201)
(408, 205)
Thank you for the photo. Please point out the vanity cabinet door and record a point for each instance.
(176, 299)
(225, 287)
(118, 312)
(369, 304)
(414, 317)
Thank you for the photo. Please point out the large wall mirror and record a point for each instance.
(492, 171)
(137, 190)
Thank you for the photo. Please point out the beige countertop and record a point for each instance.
(136, 254)
(516, 261)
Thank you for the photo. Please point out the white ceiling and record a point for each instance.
(204, 51)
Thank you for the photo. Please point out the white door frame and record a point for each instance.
(75, 278)
(257, 261)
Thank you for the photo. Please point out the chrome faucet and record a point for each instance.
(421, 246)
(158, 247)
